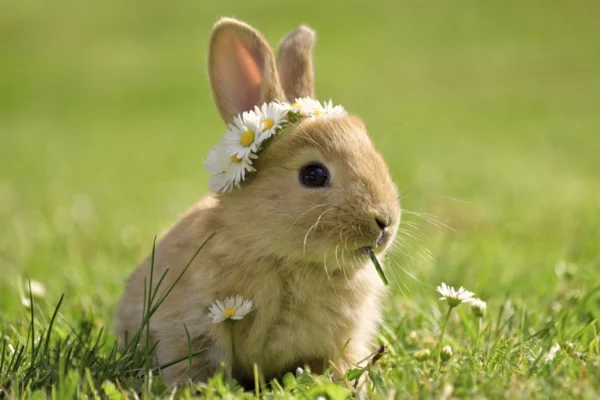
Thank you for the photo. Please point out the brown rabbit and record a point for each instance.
(292, 238)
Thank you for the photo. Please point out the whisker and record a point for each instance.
(310, 209)
(313, 227)
(327, 272)
(409, 234)
(338, 262)
(413, 276)
(432, 219)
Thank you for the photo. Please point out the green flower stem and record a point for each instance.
(439, 352)
(231, 368)
(478, 333)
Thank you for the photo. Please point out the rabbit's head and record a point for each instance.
(320, 192)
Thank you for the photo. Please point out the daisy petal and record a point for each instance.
(230, 309)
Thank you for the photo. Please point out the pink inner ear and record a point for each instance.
(245, 70)
(250, 69)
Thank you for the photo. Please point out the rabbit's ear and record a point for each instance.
(241, 68)
(294, 63)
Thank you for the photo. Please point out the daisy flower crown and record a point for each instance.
(231, 160)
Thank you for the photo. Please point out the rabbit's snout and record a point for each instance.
(382, 222)
(383, 227)
(385, 233)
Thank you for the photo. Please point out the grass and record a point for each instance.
(487, 113)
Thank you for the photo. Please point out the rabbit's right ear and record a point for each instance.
(241, 68)
(294, 63)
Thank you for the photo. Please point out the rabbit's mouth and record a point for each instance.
(364, 250)
(378, 245)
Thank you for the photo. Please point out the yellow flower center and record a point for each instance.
(230, 312)
(247, 138)
(318, 112)
(235, 159)
(267, 124)
(296, 105)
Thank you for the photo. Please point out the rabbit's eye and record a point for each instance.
(314, 176)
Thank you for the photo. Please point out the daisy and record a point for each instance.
(218, 182)
(232, 309)
(307, 107)
(237, 170)
(226, 181)
(228, 170)
(217, 161)
(243, 135)
(37, 289)
(331, 111)
(552, 352)
(272, 116)
(478, 306)
(454, 297)
(446, 353)
(422, 355)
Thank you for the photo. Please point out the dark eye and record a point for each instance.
(314, 176)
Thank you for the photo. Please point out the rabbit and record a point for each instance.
(293, 238)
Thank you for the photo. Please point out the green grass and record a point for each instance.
(487, 112)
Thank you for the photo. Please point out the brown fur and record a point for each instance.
(292, 250)
(294, 63)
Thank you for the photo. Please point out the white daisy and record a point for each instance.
(454, 297)
(37, 289)
(552, 352)
(26, 301)
(228, 171)
(331, 111)
(272, 116)
(307, 107)
(235, 173)
(217, 161)
(232, 309)
(237, 170)
(218, 182)
(479, 307)
(243, 135)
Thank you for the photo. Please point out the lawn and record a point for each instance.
(487, 112)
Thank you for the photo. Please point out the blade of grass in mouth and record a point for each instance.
(378, 266)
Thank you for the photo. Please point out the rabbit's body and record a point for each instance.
(297, 252)
(303, 315)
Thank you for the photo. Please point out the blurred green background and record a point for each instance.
(488, 113)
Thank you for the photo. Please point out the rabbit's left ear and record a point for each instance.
(241, 68)
(294, 63)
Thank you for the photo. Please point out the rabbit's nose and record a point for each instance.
(381, 223)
